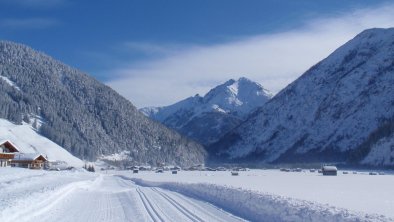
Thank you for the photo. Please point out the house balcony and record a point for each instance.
(7, 156)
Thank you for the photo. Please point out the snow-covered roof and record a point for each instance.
(3, 141)
(27, 156)
(330, 168)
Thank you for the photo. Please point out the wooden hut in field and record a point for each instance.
(7, 152)
(29, 160)
(329, 170)
(234, 173)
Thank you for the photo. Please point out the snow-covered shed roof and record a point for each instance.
(28, 156)
(330, 168)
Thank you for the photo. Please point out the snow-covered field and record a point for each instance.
(360, 195)
(256, 195)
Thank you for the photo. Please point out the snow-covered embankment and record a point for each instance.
(257, 206)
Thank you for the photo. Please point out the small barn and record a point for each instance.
(329, 170)
(234, 173)
(7, 152)
(29, 160)
(135, 170)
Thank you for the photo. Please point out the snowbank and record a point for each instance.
(257, 206)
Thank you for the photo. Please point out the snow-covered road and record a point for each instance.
(84, 197)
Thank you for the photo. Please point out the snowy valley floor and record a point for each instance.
(257, 195)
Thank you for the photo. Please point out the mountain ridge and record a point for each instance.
(81, 114)
(327, 113)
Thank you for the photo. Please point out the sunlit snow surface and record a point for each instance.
(64, 196)
(359, 194)
(256, 195)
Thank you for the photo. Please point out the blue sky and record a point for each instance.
(157, 52)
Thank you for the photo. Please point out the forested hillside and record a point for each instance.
(81, 114)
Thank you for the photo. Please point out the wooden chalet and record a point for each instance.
(7, 152)
(29, 160)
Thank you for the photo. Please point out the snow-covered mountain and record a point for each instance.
(207, 118)
(340, 110)
(29, 141)
(83, 115)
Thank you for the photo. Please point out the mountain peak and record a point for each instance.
(244, 79)
(207, 118)
(229, 82)
(238, 96)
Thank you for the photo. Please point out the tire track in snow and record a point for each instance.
(205, 211)
(182, 209)
(147, 203)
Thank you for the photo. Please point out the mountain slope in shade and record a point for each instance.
(81, 114)
(207, 118)
(340, 110)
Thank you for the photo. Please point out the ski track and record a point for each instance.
(182, 209)
(98, 198)
(155, 216)
(207, 208)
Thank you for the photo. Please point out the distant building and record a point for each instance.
(7, 152)
(234, 173)
(29, 160)
(176, 168)
(329, 170)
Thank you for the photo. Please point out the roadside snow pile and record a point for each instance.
(257, 206)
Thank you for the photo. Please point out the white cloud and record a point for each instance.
(274, 60)
(28, 23)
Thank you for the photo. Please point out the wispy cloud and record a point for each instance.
(28, 23)
(38, 4)
(274, 60)
(152, 49)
